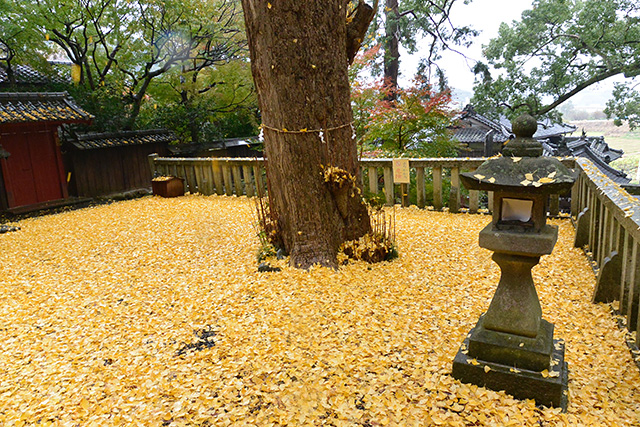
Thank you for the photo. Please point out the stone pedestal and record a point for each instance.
(502, 361)
(511, 348)
(515, 307)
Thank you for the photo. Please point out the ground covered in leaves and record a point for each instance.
(151, 312)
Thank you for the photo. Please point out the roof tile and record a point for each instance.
(90, 141)
(28, 107)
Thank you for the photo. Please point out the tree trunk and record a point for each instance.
(391, 51)
(299, 64)
(193, 125)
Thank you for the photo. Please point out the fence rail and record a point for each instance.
(246, 176)
(608, 225)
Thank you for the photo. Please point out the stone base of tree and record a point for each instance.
(546, 386)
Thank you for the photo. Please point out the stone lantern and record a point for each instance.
(511, 348)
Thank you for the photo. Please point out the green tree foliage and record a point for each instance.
(410, 121)
(122, 49)
(556, 50)
(204, 105)
(625, 105)
(20, 41)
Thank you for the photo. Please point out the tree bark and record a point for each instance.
(299, 63)
(391, 50)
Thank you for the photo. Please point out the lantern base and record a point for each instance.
(547, 387)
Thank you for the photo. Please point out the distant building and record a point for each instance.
(480, 136)
(592, 148)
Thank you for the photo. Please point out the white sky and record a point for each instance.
(486, 17)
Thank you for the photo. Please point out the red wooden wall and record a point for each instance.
(34, 172)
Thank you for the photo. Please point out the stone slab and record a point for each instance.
(518, 243)
(520, 383)
(512, 350)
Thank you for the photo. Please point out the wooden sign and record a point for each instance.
(401, 171)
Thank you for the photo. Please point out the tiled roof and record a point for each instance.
(470, 135)
(470, 113)
(28, 107)
(596, 144)
(614, 174)
(592, 148)
(25, 75)
(90, 141)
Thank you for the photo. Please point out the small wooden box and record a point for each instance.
(168, 186)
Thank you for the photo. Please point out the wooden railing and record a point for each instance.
(246, 176)
(209, 176)
(608, 227)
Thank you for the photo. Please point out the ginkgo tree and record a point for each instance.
(300, 54)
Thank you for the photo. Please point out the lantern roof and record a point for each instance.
(522, 168)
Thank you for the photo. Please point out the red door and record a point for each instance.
(33, 172)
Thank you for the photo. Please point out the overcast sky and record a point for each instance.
(486, 17)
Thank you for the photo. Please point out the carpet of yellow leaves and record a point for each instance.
(96, 303)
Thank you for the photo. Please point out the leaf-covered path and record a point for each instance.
(98, 309)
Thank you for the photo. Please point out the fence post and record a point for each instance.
(610, 273)
(152, 164)
(388, 185)
(373, 180)
(248, 182)
(197, 169)
(437, 187)
(575, 196)
(208, 177)
(226, 177)
(404, 196)
(190, 175)
(420, 190)
(454, 194)
(217, 176)
(474, 201)
(631, 325)
(237, 180)
(257, 175)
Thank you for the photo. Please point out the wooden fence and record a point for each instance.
(207, 175)
(608, 225)
(246, 176)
